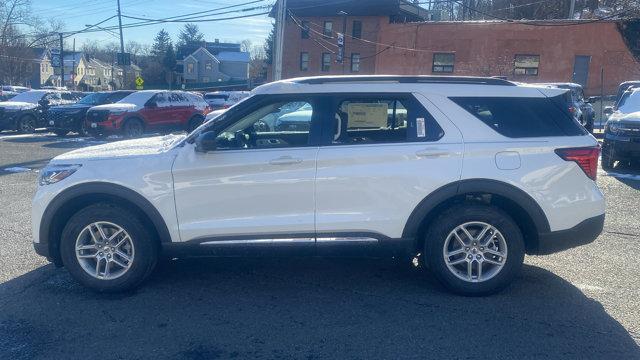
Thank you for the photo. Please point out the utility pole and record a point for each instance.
(73, 67)
(61, 61)
(124, 71)
(572, 9)
(281, 18)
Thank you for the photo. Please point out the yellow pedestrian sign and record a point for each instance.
(139, 83)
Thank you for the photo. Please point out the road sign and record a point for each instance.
(123, 59)
(139, 83)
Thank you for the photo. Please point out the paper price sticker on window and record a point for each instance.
(420, 128)
(367, 115)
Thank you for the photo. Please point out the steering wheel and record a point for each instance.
(242, 139)
(261, 126)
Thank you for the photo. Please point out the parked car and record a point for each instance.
(28, 110)
(622, 131)
(579, 106)
(7, 95)
(148, 110)
(15, 89)
(225, 99)
(66, 118)
(624, 87)
(472, 174)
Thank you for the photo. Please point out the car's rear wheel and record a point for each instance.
(474, 250)
(27, 124)
(133, 128)
(108, 248)
(61, 133)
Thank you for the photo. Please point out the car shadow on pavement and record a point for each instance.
(303, 308)
(23, 166)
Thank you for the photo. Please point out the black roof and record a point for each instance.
(393, 8)
(407, 79)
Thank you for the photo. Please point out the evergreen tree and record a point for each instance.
(190, 33)
(161, 43)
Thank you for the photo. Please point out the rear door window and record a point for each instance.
(523, 117)
(381, 119)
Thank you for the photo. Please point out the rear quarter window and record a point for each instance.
(523, 117)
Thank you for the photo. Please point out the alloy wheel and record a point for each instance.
(104, 250)
(475, 252)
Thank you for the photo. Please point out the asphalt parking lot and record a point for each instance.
(583, 303)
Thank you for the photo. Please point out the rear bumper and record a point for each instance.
(584, 233)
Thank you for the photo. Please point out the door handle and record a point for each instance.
(285, 160)
(432, 153)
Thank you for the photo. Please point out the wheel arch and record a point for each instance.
(522, 207)
(77, 197)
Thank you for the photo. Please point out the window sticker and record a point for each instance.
(420, 128)
(367, 115)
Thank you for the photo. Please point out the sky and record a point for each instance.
(77, 13)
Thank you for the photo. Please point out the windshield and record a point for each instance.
(94, 99)
(29, 97)
(138, 98)
(629, 103)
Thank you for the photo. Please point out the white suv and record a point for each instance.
(463, 174)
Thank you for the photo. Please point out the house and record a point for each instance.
(41, 70)
(209, 62)
(75, 67)
(395, 37)
(30, 67)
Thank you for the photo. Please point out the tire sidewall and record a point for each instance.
(27, 118)
(144, 245)
(459, 215)
(194, 122)
(127, 130)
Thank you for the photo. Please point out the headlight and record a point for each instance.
(54, 173)
(613, 127)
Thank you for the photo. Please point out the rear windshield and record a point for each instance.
(523, 117)
(213, 97)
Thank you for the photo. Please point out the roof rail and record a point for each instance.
(403, 79)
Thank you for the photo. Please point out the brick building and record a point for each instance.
(392, 37)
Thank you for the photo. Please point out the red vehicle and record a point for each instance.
(149, 110)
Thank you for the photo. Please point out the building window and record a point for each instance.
(526, 65)
(326, 61)
(189, 68)
(356, 31)
(443, 62)
(304, 33)
(355, 62)
(208, 65)
(304, 61)
(328, 28)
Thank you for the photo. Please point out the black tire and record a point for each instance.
(61, 133)
(82, 129)
(607, 158)
(194, 122)
(460, 214)
(27, 124)
(146, 249)
(133, 128)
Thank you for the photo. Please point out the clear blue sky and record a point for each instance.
(76, 13)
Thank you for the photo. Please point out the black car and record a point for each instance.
(66, 118)
(27, 111)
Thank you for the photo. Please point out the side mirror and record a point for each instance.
(206, 142)
(608, 110)
(43, 102)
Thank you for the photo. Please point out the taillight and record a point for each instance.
(572, 109)
(585, 157)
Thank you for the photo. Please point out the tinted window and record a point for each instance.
(523, 117)
(274, 125)
(383, 120)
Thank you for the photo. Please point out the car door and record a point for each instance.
(257, 187)
(157, 112)
(381, 156)
(182, 109)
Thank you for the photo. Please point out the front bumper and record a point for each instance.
(623, 147)
(584, 233)
(63, 121)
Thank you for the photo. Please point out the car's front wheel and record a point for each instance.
(133, 128)
(474, 250)
(607, 158)
(27, 124)
(108, 248)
